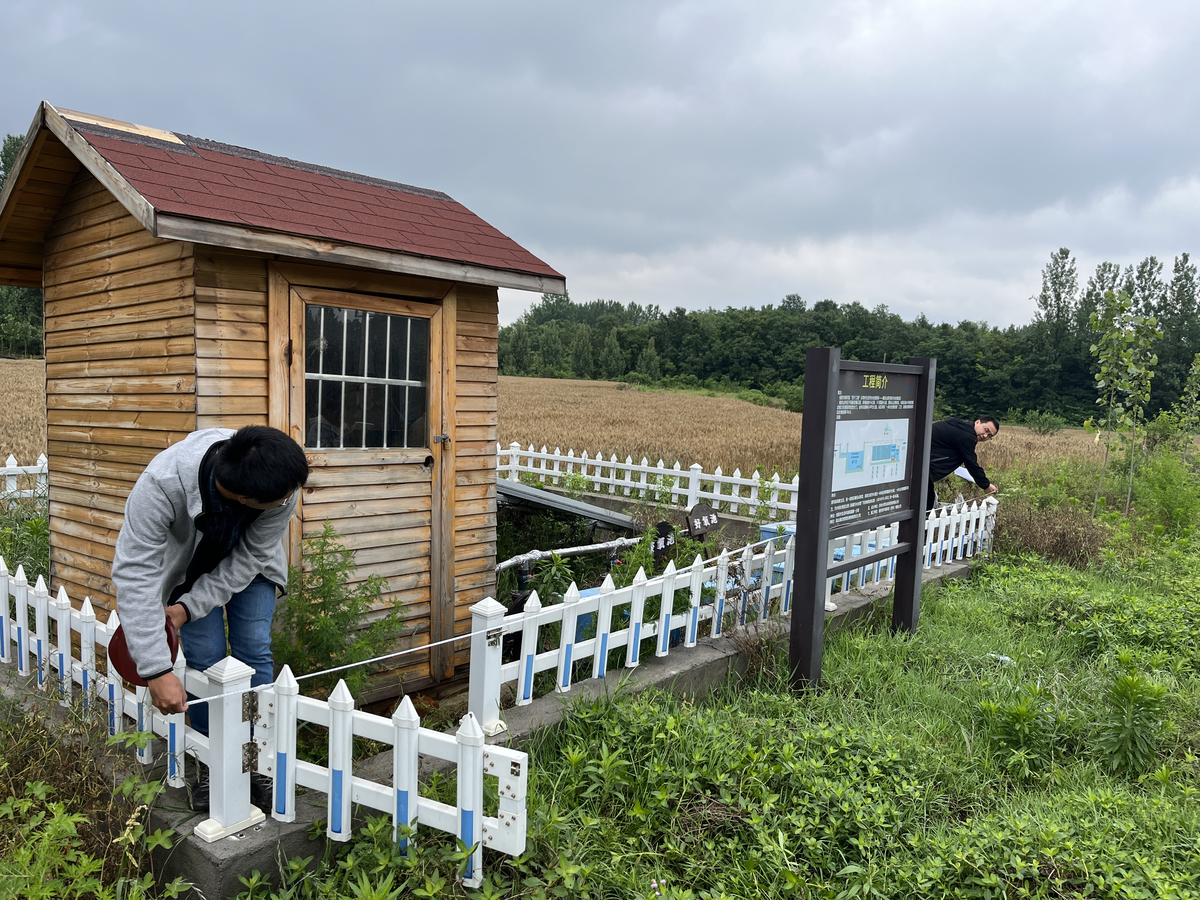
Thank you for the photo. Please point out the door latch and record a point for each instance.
(441, 438)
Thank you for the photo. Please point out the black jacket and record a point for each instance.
(952, 445)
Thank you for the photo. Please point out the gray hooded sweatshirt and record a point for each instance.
(160, 537)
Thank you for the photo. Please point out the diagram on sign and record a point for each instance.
(869, 451)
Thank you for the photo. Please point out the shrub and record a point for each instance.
(1128, 738)
(1043, 423)
(1065, 533)
(25, 537)
(319, 623)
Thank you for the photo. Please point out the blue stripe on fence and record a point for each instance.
(468, 832)
(402, 814)
(280, 782)
(603, 654)
(566, 679)
(171, 750)
(636, 649)
(335, 803)
(528, 677)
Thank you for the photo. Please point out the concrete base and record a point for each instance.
(213, 866)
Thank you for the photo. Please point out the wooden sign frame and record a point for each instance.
(811, 569)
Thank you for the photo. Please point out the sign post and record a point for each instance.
(864, 462)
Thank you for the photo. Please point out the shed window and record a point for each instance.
(366, 379)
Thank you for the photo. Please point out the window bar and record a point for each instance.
(387, 371)
(407, 368)
(320, 369)
(367, 382)
(342, 424)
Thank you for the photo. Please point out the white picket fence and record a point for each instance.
(728, 591)
(686, 487)
(43, 653)
(12, 472)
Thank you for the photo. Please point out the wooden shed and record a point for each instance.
(190, 284)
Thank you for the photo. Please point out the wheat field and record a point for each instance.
(601, 417)
(597, 416)
(22, 409)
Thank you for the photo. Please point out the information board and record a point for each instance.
(873, 432)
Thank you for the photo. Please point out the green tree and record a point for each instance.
(582, 363)
(612, 357)
(1127, 363)
(647, 362)
(8, 155)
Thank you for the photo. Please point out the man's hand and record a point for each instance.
(991, 488)
(167, 694)
(177, 614)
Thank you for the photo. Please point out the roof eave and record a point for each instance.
(241, 237)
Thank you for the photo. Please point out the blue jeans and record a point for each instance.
(250, 612)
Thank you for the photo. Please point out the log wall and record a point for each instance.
(120, 374)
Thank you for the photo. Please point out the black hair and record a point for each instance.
(262, 463)
(991, 419)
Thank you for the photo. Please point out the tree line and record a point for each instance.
(20, 308)
(1046, 364)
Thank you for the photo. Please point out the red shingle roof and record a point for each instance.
(218, 182)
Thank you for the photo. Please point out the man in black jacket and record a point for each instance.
(952, 445)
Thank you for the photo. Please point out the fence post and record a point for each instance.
(470, 796)
(43, 478)
(603, 627)
(114, 686)
(41, 619)
(529, 649)
(483, 694)
(693, 491)
(789, 560)
(87, 650)
(695, 588)
(176, 731)
(228, 734)
(287, 689)
(341, 761)
(21, 601)
(767, 579)
(62, 628)
(722, 588)
(5, 616)
(405, 762)
(637, 609)
(514, 461)
(570, 615)
(665, 608)
(145, 725)
(10, 480)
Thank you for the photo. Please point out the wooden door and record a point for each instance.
(364, 394)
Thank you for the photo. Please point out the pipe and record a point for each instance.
(536, 555)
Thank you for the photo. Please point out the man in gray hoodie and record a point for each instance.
(203, 536)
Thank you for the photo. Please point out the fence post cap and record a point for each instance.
(228, 671)
(607, 587)
(341, 699)
(640, 577)
(489, 608)
(469, 732)
(113, 621)
(670, 569)
(61, 599)
(11, 462)
(405, 715)
(533, 603)
(87, 614)
(572, 594)
(20, 578)
(696, 467)
(286, 683)
(3, 568)
(41, 460)
(40, 587)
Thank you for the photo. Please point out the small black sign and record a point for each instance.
(664, 541)
(701, 519)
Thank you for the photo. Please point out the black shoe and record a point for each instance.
(262, 791)
(198, 793)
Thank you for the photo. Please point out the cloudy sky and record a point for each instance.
(924, 155)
